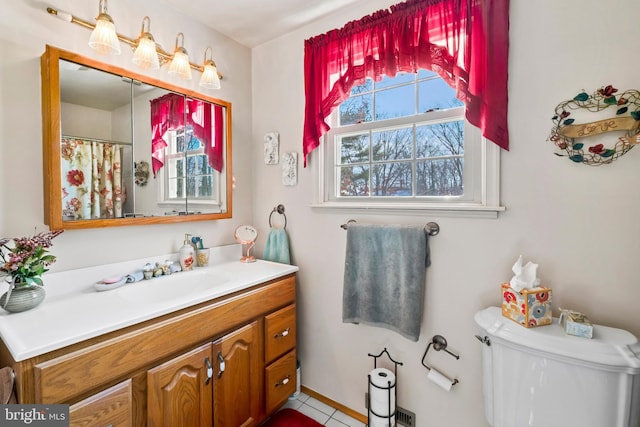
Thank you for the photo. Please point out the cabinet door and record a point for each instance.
(109, 407)
(238, 379)
(179, 392)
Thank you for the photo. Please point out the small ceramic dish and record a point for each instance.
(103, 286)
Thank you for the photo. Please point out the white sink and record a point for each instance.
(75, 311)
(177, 285)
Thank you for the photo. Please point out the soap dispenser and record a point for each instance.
(186, 254)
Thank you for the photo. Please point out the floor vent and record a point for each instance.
(403, 417)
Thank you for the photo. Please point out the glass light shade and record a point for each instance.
(145, 55)
(180, 64)
(103, 37)
(209, 78)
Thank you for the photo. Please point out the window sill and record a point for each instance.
(449, 210)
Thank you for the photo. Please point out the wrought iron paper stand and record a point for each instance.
(388, 388)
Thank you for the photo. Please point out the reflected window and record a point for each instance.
(187, 172)
(187, 152)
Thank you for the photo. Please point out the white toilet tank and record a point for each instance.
(541, 377)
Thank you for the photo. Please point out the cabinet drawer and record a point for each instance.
(280, 332)
(109, 407)
(280, 380)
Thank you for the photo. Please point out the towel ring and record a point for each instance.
(279, 209)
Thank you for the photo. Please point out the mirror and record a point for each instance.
(120, 148)
(246, 235)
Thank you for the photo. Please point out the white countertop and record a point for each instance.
(74, 311)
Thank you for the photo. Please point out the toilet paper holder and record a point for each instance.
(439, 343)
(389, 389)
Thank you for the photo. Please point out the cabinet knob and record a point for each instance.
(221, 362)
(284, 381)
(282, 334)
(209, 370)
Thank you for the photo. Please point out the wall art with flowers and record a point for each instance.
(597, 116)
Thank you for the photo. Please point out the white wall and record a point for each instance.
(26, 29)
(578, 222)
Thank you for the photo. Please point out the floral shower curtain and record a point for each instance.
(91, 179)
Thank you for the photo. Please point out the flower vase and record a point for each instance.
(21, 297)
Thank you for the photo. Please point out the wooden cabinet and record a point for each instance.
(109, 407)
(238, 378)
(179, 393)
(280, 356)
(157, 372)
(280, 332)
(280, 380)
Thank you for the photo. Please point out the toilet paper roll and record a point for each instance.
(382, 398)
(440, 379)
(375, 421)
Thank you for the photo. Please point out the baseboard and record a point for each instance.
(340, 407)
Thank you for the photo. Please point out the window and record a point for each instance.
(403, 142)
(187, 175)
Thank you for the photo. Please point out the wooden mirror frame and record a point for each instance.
(51, 149)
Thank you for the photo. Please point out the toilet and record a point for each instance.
(541, 377)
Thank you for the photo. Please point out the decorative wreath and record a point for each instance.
(567, 136)
(141, 173)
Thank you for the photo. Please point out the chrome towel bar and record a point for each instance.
(431, 228)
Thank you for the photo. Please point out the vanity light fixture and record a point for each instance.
(144, 47)
(146, 56)
(104, 38)
(209, 78)
(180, 62)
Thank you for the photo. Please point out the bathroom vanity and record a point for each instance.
(215, 346)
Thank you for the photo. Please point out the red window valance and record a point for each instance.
(465, 41)
(168, 113)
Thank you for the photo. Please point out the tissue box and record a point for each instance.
(574, 323)
(530, 307)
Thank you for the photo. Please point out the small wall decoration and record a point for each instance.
(568, 135)
(290, 168)
(271, 145)
(141, 173)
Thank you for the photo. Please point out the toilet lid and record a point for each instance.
(610, 348)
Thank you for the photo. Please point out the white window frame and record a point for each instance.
(481, 173)
(215, 204)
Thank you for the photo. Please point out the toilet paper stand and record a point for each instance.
(389, 388)
(439, 343)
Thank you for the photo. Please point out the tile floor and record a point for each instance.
(321, 412)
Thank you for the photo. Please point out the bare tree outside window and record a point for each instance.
(419, 158)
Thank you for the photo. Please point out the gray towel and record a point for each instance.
(384, 277)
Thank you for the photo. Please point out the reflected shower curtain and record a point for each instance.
(91, 179)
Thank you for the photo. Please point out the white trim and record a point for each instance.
(488, 205)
